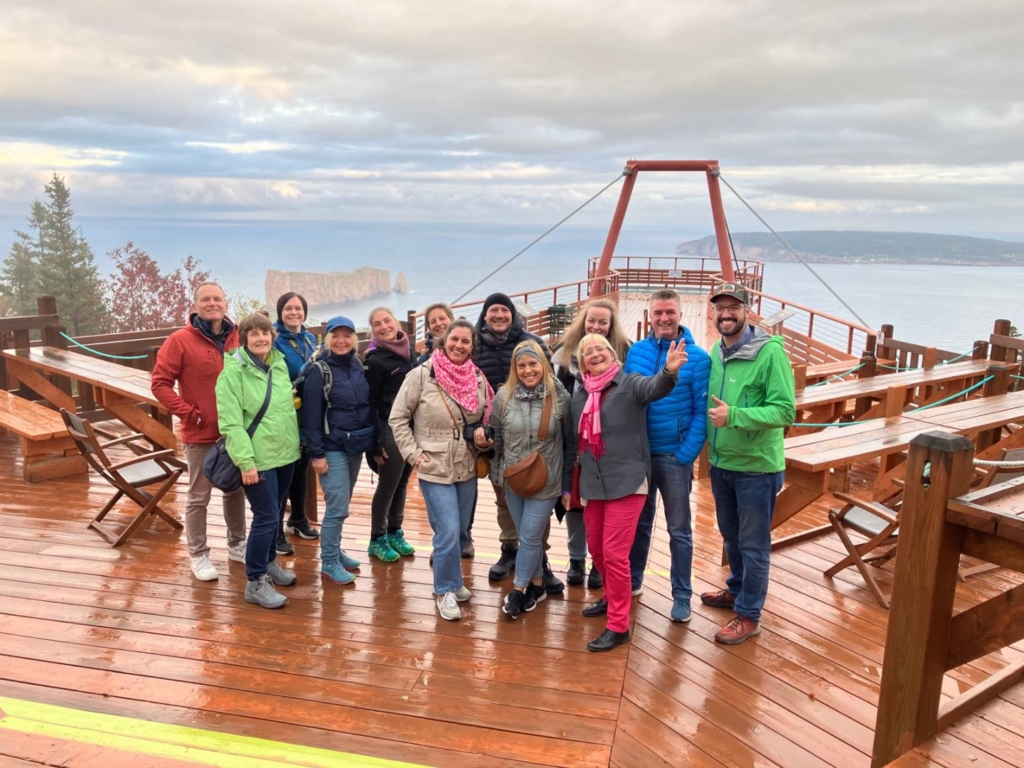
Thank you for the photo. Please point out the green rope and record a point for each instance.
(921, 367)
(103, 354)
(836, 378)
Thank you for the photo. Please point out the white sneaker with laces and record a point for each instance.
(236, 552)
(202, 568)
(448, 607)
(462, 594)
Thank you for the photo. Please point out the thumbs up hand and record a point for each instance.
(719, 415)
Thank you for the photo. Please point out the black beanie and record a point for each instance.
(498, 298)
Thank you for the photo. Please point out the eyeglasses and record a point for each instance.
(732, 308)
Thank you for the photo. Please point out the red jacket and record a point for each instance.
(193, 362)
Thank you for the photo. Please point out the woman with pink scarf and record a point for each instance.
(614, 458)
(437, 420)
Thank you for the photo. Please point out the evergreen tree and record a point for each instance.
(66, 267)
(19, 280)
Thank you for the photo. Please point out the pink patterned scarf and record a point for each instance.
(461, 383)
(590, 421)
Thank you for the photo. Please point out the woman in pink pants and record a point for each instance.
(610, 414)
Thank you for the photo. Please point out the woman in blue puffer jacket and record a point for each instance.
(297, 345)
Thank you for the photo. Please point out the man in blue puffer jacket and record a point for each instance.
(676, 429)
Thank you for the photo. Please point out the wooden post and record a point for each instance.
(929, 358)
(800, 376)
(1001, 328)
(999, 384)
(939, 467)
(980, 350)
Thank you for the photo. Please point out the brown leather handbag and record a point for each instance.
(528, 477)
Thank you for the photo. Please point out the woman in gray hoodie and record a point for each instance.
(530, 393)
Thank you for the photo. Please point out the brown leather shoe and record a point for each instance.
(737, 630)
(723, 598)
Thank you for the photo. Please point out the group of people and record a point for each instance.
(590, 433)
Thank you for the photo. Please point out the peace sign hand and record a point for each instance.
(676, 356)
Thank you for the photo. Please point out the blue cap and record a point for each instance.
(340, 322)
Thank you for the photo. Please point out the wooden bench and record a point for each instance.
(47, 448)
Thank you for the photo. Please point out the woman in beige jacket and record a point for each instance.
(437, 420)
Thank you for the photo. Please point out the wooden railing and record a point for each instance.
(940, 521)
(21, 332)
(686, 274)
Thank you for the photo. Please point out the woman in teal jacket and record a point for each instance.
(267, 457)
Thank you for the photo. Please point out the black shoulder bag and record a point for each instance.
(218, 467)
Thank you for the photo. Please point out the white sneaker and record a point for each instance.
(237, 552)
(448, 607)
(202, 568)
(462, 594)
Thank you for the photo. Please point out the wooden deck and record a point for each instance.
(372, 671)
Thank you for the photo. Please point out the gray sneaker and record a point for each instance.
(462, 594)
(448, 607)
(262, 593)
(236, 552)
(280, 576)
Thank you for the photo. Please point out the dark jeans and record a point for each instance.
(387, 510)
(265, 498)
(744, 504)
(297, 491)
(673, 480)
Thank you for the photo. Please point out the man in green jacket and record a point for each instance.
(751, 401)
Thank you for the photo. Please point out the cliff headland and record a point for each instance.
(321, 288)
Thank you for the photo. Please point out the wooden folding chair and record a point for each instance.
(879, 524)
(129, 477)
(994, 476)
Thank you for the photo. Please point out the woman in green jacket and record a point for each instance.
(266, 458)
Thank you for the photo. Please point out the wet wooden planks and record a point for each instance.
(372, 670)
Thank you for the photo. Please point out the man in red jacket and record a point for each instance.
(192, 358)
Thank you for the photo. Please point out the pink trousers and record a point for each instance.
(611, 527)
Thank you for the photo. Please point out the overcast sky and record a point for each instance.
(874, 114)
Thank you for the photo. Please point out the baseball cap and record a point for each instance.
(340, 322)
(732, 290)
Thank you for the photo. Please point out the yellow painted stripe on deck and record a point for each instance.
(173, 741)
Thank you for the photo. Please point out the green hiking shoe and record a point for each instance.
(381, 549)
(400, 545)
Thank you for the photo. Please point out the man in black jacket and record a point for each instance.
(499, 330)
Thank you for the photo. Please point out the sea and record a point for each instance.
(945, 306)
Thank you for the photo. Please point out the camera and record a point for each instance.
(469, 429)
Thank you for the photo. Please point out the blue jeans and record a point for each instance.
(449, 508)
(337, 484)
(265, 498)
(531, 517)
(674, 481)
(744, 504)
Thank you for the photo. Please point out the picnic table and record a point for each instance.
(812, 458)
(122, 391)
(885, 395)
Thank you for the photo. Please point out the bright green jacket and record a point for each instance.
(241, 388)
(756, 382)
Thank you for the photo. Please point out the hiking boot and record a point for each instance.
(236, 552)
(577, 572)
(349, 563)
(202, 568)
(596, 608)
(335, 574)
(448, 607)
(501, 569)
(723, 598)
(302, 529)
(283, 546)
(680, 610)
(381, 549)
(469, 550)
(594, 581)
(534, 594)
(513, 604)
(400, 545)
(552, 584)
(279, 575)
(462, 594)
(261, 591)
(607, 640)
(737, 630)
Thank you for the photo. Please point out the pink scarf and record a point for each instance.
(461, 383)
(590, 421)
(398, 345)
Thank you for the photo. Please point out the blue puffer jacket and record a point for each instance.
(676, 424)
(348, 408)
(296, 347)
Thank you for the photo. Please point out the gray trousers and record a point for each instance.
(198, 500)
(576, 532)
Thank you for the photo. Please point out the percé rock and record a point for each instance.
(401, 286)
(321, 288)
